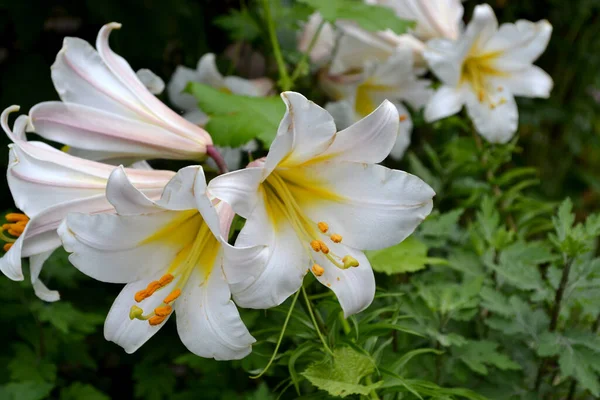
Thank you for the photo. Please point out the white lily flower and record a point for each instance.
(46, 184)
(325, 42)
(485, 68)
(359, 94)
(316, 201)
(434, 18)
(107, 111)
(207, 73)
(171, 255)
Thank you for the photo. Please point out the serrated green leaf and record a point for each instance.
(66, 318)
(240, 25)
(477, 355)
(582, 365)
(235, 119)
(25, 390)
(407, 256)
(153, 382)
(522, 320)
(441, 225)
(495, 301)
(79, 391)
(27, 366)
(369, 17)
(341, 375)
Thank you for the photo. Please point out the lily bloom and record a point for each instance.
(434, 18)
(316, 201)
(358, 94)
(171, 255)
(107, 112)
(207, 73)
(485, 68)
(46, 184)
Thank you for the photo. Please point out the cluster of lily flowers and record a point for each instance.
(312, 205)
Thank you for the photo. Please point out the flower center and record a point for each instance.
(15, 226)
(199, 252)
(282, 200)
(364, 103)
(477, 71)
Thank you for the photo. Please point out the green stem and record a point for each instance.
(314, 321)
(372, 393)
(345, 324)
(284, 78)
(285, 323)
(306, 54)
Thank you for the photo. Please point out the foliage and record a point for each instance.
(496, 295)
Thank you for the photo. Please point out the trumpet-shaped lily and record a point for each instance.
(46, 184)
(434, 18)
(107, 111)
(359, 94)
(316, 201)
(171, 255)
(207, 73)
(324, 42)
(485, 68)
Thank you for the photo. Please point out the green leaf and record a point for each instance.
(582, 365)
(341, 375)
(25, 390)
(478, 354)
(564, 220)
(522, 320)
(407, 256)
(78, 391)
(235, 119)
(441, 225)
(495, 301)
(27, 366)
(369, 17)
(66, 318)
(240, 25)
(153, 382)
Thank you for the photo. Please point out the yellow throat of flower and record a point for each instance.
(477, 71)
(364, 103)
(199, 252)
(286, 193)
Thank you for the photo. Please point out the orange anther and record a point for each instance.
(329, 285)
(15, 217)
(316, 245)
(7, 246)
(500, 88)
(338, 278)
(6, 226)
(166, 279)
(14, 233)
(172, 296)
(335, 238)
(323, 227)
(324, 247)
(17, 228)
(141, 295)
(318, 270)
(403, 117)
(156, 320)
(153, 287)
(163, 311)
(481, 96)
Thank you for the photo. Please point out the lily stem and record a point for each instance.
(213, 153)
(284, 79)
(285, 323)
(314, 321)
(298, 70)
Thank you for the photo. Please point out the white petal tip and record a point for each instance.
(483, 13)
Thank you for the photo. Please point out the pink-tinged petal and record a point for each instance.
(445, 102)
(208, 322)
(311, 127)
(355, 286)
(280, 268)
(378, 207)
(121, 69)
(132, 334)
(497, 123)
(97, 130)
(369, 140)
(240, 189)
(226, 215)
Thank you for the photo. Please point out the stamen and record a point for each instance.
(335, 238)
(324, 247)
(350, 261)
(403, 117)
(165, 280)
(16, 217)
(7, 246)
(500, 88)
(481, 95)
(18, 228)
(323, 227)
(14, 233)
(141, 295)
(135, 313)
(156, 320)
(502, 101)
(6, 226)
(172, 296)
(163, 311)
(316, 245)
(492, 106)
(318, 270)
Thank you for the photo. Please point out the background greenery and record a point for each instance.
(498, 292)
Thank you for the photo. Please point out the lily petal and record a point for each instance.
(239, 189)
(208, 322)
(496, 123)
(446, 101)
(355, 286)
(179, 81)
(379, 206)
(404, 131)
(529, 82)
(35, 265)
(151, 81)
(520, 44)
